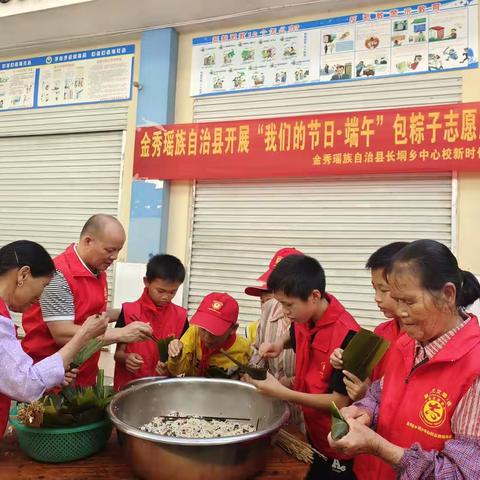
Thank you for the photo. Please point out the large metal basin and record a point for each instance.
(156, 457)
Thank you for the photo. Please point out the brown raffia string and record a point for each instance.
(300, 450)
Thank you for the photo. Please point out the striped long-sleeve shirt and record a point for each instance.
(20, 379)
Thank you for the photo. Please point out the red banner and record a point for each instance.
(435, 138)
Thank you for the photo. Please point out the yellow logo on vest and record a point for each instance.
(434, 410)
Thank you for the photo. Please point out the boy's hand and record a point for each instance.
(356, 389)
(336, 359)
(286, 381)
(175, 348)
(161, 369)
(270, 349)
(133, 362)
(271, 386)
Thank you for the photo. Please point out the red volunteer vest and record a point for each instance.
(313, 369)
(4, 400)
(389, 330)
(90, 296)
(418, 407)
(165, 322)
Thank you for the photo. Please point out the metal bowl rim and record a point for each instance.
(153, 437)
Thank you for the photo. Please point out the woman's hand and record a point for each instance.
(355, 413)
(271, 386)
(356, 389)
(336, 359)
(360, 439)
(70, 377)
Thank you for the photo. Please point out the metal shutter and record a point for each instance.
(237, 225)
(58, 166)
(339, 97)
(340, 221)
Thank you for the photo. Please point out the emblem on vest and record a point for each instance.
(216, 306)
(434, 409)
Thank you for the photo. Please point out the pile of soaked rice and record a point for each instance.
(196, 427)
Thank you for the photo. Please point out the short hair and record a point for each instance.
(382, 257)
(96, 223)
(297, 276)
(24, 253)
(165, 267)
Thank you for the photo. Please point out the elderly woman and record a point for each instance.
(421, 420)
(25, 270)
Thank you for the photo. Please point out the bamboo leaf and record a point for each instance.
(162, 346)
(339, 425)
(92, 347)
(363, 353)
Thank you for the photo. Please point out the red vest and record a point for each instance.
(390, 330)
(313, 369)
(4, 400)
(165, 322)
(417, 407)
(90, 296)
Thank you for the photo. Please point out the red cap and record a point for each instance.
(277, 258)
(257, 291)
(216, 314)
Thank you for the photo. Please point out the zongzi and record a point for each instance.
(339, 426)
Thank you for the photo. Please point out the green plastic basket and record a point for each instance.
(57, 445)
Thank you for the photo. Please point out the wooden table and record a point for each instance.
(110, 464)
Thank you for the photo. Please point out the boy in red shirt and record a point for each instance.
(164, 276)
(321, 324)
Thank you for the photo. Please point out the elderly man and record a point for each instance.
(77, 291)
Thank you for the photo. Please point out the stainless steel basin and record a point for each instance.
(156, 457)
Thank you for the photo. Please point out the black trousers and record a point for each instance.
(330, 469)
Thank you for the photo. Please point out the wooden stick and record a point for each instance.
(296, 447)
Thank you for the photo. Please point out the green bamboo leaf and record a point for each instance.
(363, 353)
(339, 425)
(162, 346)
(92, 347)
